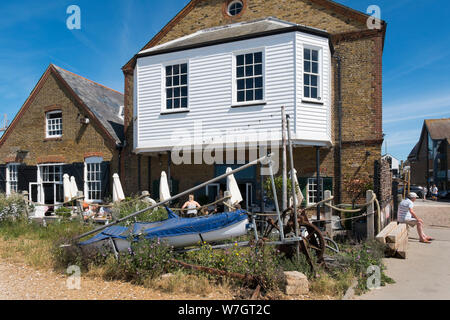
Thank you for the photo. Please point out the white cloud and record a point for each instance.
(417, 108)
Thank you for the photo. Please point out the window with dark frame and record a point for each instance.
(249, 77)
(235, 8)
(177, 86)
(311, 74)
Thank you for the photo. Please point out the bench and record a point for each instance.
(395, 237)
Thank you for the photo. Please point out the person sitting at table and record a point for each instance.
(220, 207)
(192, 205)
(90, 212)
(104, 213)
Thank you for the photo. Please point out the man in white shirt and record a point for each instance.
(407, 215)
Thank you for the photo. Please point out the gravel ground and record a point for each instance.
(18, 282)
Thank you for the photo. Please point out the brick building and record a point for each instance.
(67, 125)
(430, 157)
(319, 59)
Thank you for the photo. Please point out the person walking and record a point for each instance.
(435, 193)
(407, 215)
(425, 192)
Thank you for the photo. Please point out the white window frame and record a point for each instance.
(164, 109)
(234, 102)
(122, 112)
(9, 189)
(87, 162)
(41, 181)
(47, 129)
(320, 97)
(309, 190)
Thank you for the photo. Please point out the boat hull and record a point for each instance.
(183, 241)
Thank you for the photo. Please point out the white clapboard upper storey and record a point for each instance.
(229, 83)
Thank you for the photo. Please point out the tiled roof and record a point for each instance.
(439, 129)
(228, 32)
(103, 102)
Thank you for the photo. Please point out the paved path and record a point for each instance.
(425, 274)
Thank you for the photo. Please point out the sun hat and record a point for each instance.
(412, 195)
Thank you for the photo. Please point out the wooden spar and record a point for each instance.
(284, 164)
(203, 185)
(294, 187)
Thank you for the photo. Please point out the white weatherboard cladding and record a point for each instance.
(211, 86)
(314, 120)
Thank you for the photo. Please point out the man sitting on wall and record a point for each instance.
(407, 215)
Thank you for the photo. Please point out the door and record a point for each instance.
(34, 192)
(51, 189)
(212, 192)
(247, 195)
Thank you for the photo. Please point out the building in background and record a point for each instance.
(67, 125)
(429, 159)
(394, 164)
(233, 65)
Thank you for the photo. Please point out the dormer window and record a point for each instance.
(235, 8)
(54, 124)
(122, 112)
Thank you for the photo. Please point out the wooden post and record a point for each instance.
(328, 215)
(80, 202)
(319, 185)
(370, 216)
(26, 199)
(227, 195)
(284, 165)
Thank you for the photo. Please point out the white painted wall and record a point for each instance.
(211, 86)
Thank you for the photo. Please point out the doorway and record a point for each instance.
(49, 189)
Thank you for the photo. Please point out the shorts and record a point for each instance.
(411, 222)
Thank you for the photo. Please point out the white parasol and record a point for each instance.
(67, 188)
(299, 195)
(233, 188)
(73, 187)
(118, 194)
(164, 190)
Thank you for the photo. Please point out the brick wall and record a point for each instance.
(77, 141)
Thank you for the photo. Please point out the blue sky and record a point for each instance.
(33, 34)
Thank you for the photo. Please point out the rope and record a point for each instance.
(374, 198)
